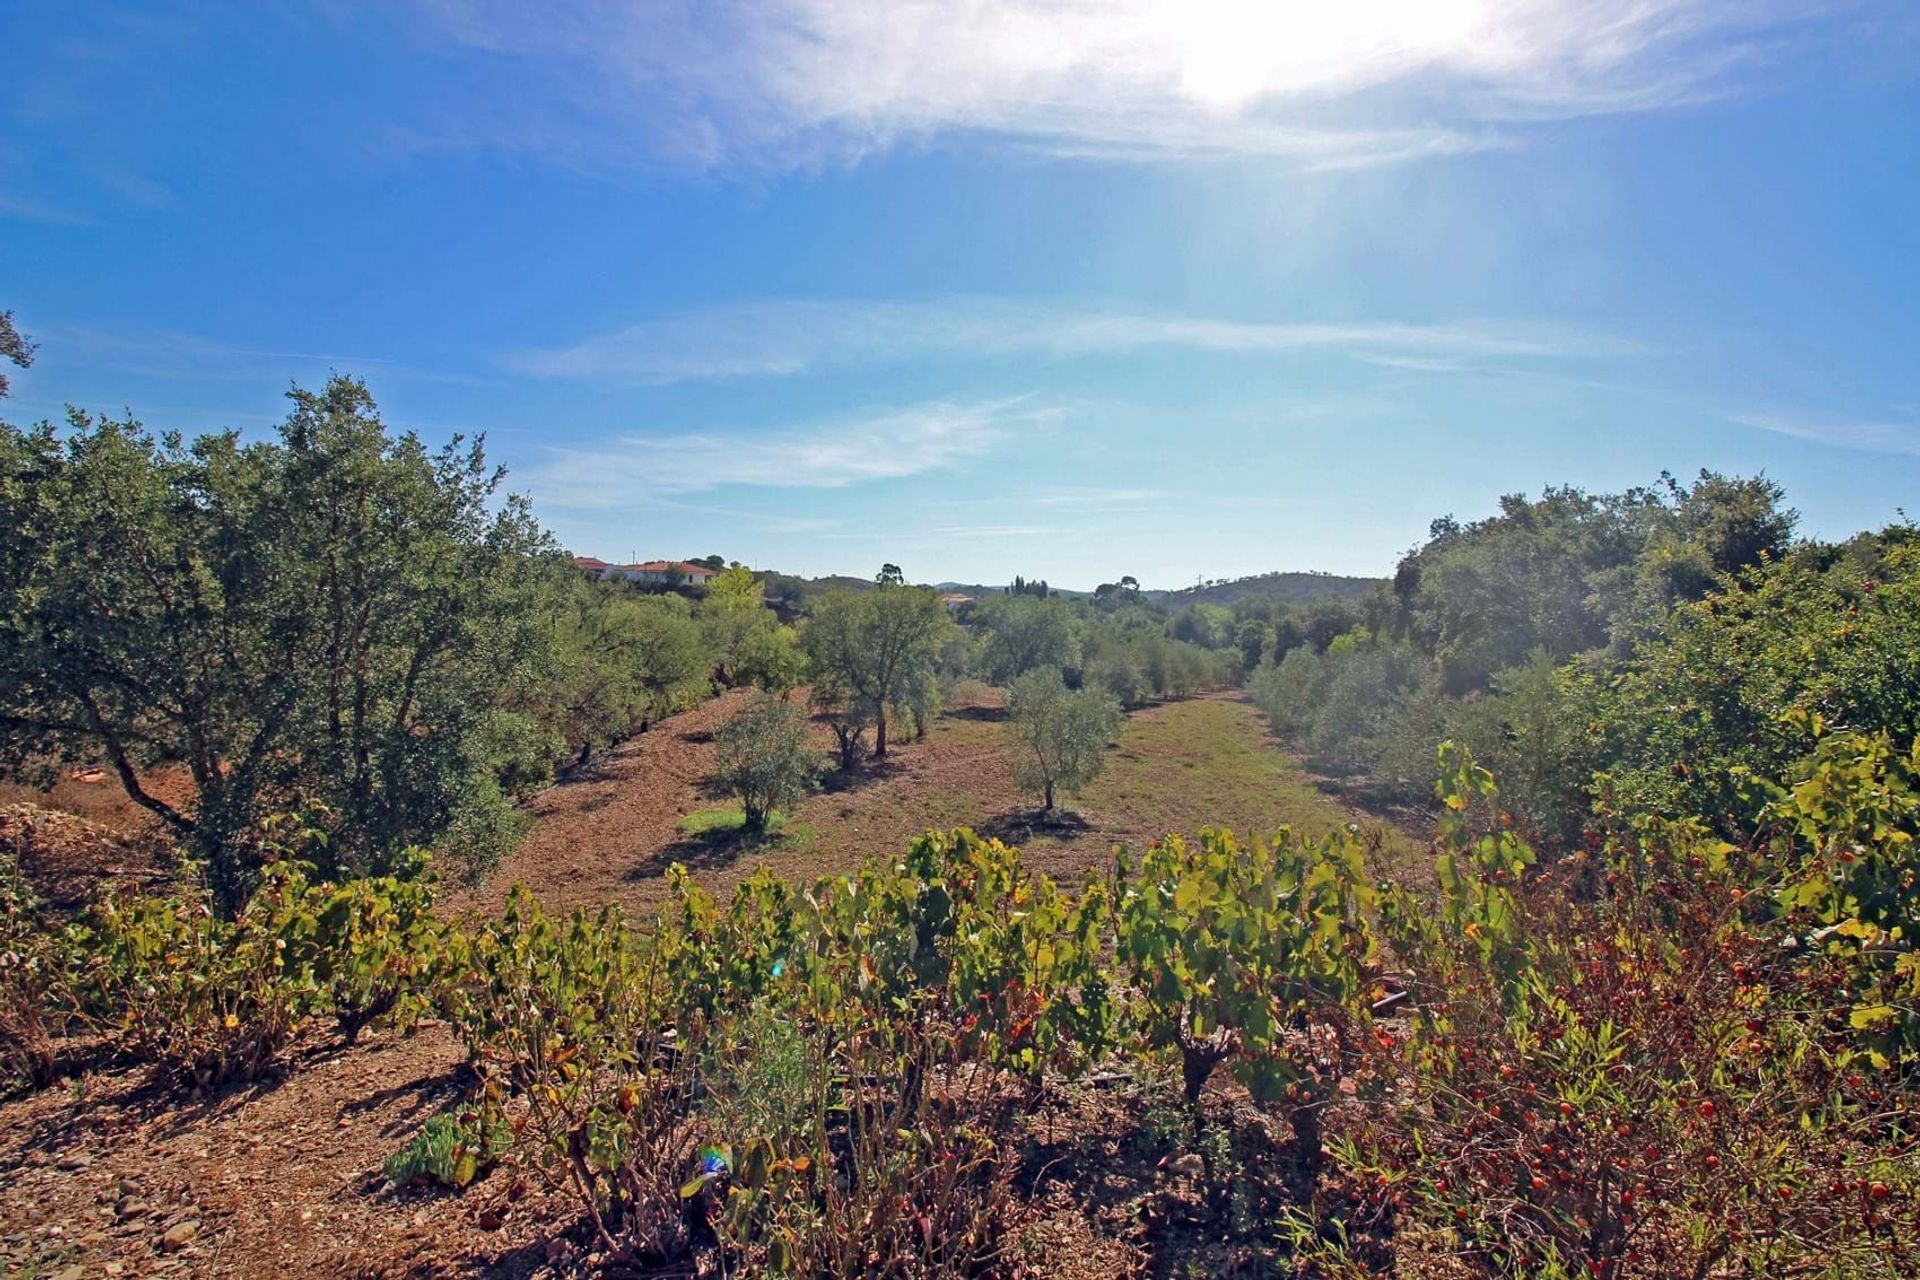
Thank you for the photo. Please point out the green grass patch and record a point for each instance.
(726, 822)
(1209, 762)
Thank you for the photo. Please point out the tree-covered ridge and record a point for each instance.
(1662, 648)
(1292, 587)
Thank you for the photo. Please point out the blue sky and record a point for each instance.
(1064, 289)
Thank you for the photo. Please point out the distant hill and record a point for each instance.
(981, 591)
(1289, 587)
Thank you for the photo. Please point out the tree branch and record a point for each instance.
(129, 779)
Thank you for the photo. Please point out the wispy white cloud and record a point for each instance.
(793, 83)
(830, 454)
(792, 336)
(1875, 436)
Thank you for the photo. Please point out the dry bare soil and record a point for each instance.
(102, 1176)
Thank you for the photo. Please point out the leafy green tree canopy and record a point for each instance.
(1028, 632)
(876, 648)
(324, 622)
(14, 348)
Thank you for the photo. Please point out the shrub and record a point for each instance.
(202, 999)
(369, 948)
(715, 961)
(1289, 690)
(1638, 1082)
(1703, 704)
(855, 1033)
(572, 1016)
(763, 757)
(887, 1183)
(36, 996)
(955, 930)
(207, 1000)
(1119, 677)
(1355, 708)
(1848, 874)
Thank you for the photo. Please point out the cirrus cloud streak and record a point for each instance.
(784, 337)
(831, 454)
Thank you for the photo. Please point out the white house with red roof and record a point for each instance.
(654, 573)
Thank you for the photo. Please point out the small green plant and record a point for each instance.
(762, 1074)
(725, 824)
(451, 1150)
(901, 1169)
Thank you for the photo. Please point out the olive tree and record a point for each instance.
(618, 662)
(1057, 737)
(846, 714)
(738, 626)
(875, 649)
(763, 757)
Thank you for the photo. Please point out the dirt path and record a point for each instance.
(592, 832)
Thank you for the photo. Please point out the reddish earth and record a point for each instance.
(595, 831)
(282, 1178)
(609, 834)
